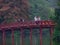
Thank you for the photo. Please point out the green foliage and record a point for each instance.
(41, 8)
(56, 19)
(58, 3)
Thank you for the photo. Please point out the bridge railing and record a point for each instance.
(30, 25)
(27, 24)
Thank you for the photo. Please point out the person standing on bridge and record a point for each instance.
(37, 19)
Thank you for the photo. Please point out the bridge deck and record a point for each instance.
(27, 24)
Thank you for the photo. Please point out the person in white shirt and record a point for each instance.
(37, 18)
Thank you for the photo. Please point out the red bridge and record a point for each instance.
(30, 25)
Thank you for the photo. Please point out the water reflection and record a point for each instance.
(8, 37)
(46, 36)
(36, 36)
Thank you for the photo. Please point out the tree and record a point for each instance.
(41, 8)
(56, 19)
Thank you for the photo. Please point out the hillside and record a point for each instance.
(12, 10)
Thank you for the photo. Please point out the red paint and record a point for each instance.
(30, 36)
(12, 37)
(51, 35)
(40, 35)
(29, 25)
(4, 41)
(22, 36)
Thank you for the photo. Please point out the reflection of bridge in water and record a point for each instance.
(22, 26)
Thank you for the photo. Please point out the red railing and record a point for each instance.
(27, 24)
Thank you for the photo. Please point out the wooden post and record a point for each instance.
(4, 43)
(12, 36)
(51, 35)
(30, 36)
(22, 36)
(40, 35)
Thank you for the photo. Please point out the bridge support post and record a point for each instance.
(40, 35)
(51, 35)
(4, 38)
(12, 36)
(30, 36)
(22, 37)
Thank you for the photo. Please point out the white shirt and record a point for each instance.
(37, 19)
